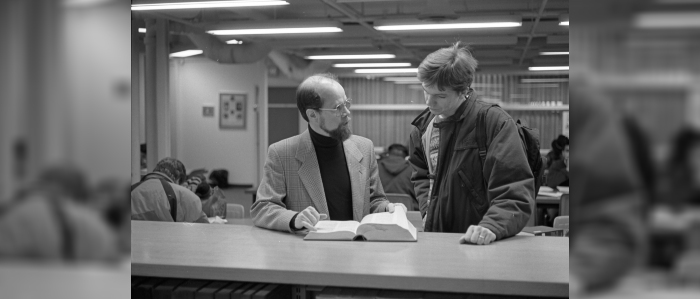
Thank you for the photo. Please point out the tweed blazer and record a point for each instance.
(292, 181)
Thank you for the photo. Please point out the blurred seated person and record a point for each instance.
(57, 219)
(557, 173)
(150, 198)
(558, 163)
(680, 186)
(219, 178)
(395, 173)
(213, 200)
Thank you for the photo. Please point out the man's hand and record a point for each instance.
(477, 235)
(308, 218)
(392, 207)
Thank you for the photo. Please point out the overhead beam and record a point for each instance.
(359, 19)
(532, 31)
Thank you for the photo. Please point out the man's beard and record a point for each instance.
(341, 133)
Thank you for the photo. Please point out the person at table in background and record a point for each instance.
(680, 186)
(149, 199)
(57, 217)
(395, 173)
(557, 173)
(456, 193)
(324, 170)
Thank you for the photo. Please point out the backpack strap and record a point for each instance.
(171, 198)
(68, 246)
(169, 192)
(481, 132)
(481, 138)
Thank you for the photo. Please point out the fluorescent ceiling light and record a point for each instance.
(234, 42)
(663, 20)
(359, 56)
(544, 80)
(389, 64)
(554, 53)
(275, 31)
(142, 30)
(564, 20)
(380, 71)
(549, 68)
(402, 79)
(206, 4)
(186, 53)
(449, 26)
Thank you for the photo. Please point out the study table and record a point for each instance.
(521, 265)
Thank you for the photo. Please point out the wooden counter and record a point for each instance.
(517, 266)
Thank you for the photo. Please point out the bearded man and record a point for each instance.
(325, 172)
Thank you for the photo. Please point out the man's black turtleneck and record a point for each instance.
(334, 174)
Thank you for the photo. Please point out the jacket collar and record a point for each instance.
(158, 175)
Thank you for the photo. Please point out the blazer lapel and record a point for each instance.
(357, 174)
(310, 173)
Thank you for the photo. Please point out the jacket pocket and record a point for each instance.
(477, 202)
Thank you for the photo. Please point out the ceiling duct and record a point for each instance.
(221, 52)
(297, 68)
(437, 10)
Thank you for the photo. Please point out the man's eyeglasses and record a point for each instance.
(340, 109)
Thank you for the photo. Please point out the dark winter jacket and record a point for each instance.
(497, 195)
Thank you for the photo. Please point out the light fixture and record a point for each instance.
(554, 53)
(356, 56)
(275, 31)
(667, 20)
(549, 68)
(207, 4)
(544, 80)
(463, 23)
(388, 64)
(234, 42)
(186, 53)
(564, 20)
(142, 30)
(448, 26)
(387, 71)
(402, 79)
(406, 82)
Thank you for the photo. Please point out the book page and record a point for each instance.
(387, 227)
(335, 226)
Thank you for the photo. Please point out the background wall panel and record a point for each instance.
(387, 127)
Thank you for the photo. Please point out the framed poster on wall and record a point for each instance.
(565, 128)
(232, 107)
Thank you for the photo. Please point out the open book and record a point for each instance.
(388, 227)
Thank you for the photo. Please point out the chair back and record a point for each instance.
(234, 211)
(562, 222)
(405, 199)
(564, 205)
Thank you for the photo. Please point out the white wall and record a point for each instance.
(200, 143)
